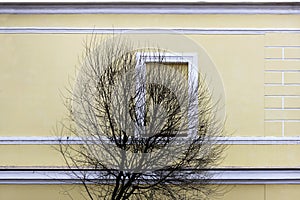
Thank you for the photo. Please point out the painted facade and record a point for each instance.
(255, 49)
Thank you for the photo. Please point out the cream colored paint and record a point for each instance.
(283, 39)
(273, 52)
(292, 78)
(42, 64)
(292, 128)
(37, 192)
(234, 156)
(289, 90)
(30, 155)
(262, 156)
(280, 192)
(242, 73)
(35, 69)
(150, 21)
(230, 192)
(273, 77)
(274, 102)
(282, 64)
(273, 129)
(242, 192)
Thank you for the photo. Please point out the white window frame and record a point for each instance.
(193, 75)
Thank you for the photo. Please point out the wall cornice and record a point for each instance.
(52, 140)
(244, 176)
(150, 8)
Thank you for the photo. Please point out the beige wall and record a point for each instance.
(60, 192)
(49, 61)
(260, 75)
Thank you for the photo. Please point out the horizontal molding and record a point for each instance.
(282, 46)
(281, 95)
(282, 59)
(286, 109)
(282, 84)
(150, 8)
(218, 176)
(283, 70)
(220, 140)
(259, 140)
(155, 30)
(283, 120)
(257, 176)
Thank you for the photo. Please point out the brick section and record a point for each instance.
(282, 64)
(292, 53)
(273, 102)
(282, 90)
(282, 114)
(273, 52)
(292, 102)
(273, 129)
(282, 39)
(292, 128)
(282, 84)
(292, 77)
(273, 77)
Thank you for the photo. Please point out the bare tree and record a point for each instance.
(145, 131)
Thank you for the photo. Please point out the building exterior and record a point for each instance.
(255, 52)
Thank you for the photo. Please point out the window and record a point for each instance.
(161, 92)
